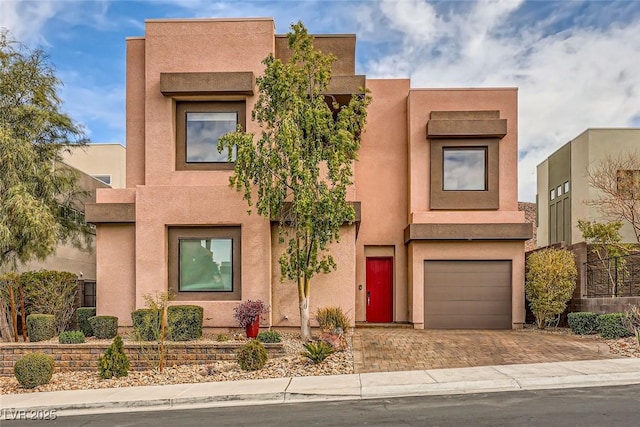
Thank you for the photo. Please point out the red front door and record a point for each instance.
(380, 289)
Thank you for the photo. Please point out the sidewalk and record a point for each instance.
(482, 379)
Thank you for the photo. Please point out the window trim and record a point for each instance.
(176, 233)
(181, 110)
(465, 199)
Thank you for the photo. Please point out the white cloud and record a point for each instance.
(26, 19)
(568, 81)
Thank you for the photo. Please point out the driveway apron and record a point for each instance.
(401, 349)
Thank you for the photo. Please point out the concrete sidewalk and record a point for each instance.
(339, 387)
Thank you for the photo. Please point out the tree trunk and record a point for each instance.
(14, 314)
(5, 329)
(23, 314)
(303, 300)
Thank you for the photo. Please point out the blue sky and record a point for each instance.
(576, 63)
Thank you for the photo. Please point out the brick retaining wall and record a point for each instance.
(84, 357)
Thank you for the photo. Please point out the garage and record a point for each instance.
(467, 294)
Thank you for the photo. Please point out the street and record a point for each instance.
(597, 406)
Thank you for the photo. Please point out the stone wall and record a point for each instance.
(84, 357)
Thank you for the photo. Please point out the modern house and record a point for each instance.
(438, 240)
(562, 188)
(105, 162)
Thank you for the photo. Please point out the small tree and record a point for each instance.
(301, 166)
(550, 281)
(154, 326)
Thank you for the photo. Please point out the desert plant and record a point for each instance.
(41, 327)
(550, 281)
(146, 324)
(317, 351)
(114, 362)
(332, 319)
(269, 336)
(51, 292)
(82, 319)
(611, 326)
(104, 327)
(583, 322)
(222, 337)
(248, 311)
(185, 322)
(252, 356)
(34, 369)
(71, 337)
(631, 321)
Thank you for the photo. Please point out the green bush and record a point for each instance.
(185, 322)
(611, 326)
(583, 322)
(317, 351)
(51, 292)
(34, 369)
(146, 324)
(252, 356)
(41, 327)
(222, 337)
(104, 327)
(332, 319)
(71, 337)
(269, 336)
(82, 319)
(550, 281)
(114, 362)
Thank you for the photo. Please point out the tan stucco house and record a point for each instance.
(438, 240)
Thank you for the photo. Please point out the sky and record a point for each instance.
(576, 63)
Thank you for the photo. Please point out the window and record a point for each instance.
(464, 173)
(552, 194)
(559, 190)
(204, 263)
(464, 169)
(199, 125)
(566, 187)
(104, 178)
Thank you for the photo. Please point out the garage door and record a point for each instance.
(467, 294)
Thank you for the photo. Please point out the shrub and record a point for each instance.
(71, 337)
(269, 336)
(185, 322)
(104, 327)
(332, 319)
(248, 311)
(317, 351)
(252, 356)
(222, 337)
(632, 321)
(82, 319)
(583, 323)
(146, 324)
(41, 327)
(550, 281)
(51, 292)
(611, 326)
(34, 369)
(114, 362)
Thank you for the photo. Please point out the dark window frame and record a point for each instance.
(176, 233)
(182, 108)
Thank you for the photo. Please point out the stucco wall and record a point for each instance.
(542, 172)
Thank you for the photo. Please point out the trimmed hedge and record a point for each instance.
(71, 337)
(583, 322)
(253, 356)
(34, 369)
(82, 318)
(146, 324)
(104, 327)
(41, 327)
(611, 326)
(185, 322)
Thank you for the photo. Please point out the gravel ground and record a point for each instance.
(289, 365)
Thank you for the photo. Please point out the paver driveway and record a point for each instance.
(399, 349)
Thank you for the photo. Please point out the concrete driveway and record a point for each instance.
(403, 349)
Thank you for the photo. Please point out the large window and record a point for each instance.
(204, 263)
(199, 125)
(464, 169)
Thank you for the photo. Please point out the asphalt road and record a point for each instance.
(597, 406)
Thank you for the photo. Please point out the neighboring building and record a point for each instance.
(105, 162)
(563, 188)
(438, 242)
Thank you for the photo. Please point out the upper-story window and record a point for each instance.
(104, 178)
(566, 187)
(464, 169)
(552, 194)
(199, 125)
